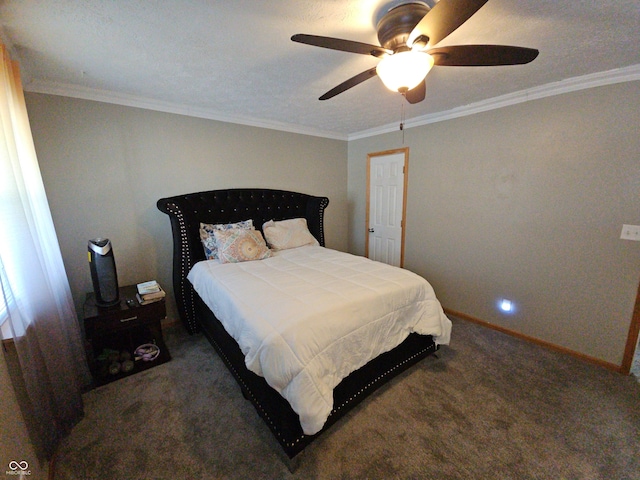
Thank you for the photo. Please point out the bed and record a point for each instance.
(187, 213)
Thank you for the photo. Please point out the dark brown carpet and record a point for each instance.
(490, 407)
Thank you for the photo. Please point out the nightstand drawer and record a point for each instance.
(126, 317)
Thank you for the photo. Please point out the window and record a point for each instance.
(5, 298)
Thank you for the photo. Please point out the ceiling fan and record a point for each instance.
(408, 34)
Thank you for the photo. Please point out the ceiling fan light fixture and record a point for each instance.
(403, 71)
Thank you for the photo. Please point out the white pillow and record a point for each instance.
(288, 234)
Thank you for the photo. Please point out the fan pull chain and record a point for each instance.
(402, 117)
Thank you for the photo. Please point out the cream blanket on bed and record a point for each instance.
(309, 316)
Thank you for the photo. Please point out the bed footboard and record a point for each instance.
(276, 412)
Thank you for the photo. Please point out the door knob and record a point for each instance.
(371, 230)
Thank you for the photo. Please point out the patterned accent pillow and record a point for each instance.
(288, 234)
(240, 245)
(209, 240)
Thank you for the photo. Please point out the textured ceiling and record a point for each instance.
(234, 60)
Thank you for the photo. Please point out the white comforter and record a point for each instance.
(309, 316)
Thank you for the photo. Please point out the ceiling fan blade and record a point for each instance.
(342, 45)
(482, 55)
(417, 94)
(443, 19)
(352, 82)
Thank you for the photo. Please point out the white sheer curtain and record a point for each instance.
(36, 307)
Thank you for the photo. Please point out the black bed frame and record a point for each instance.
(234, 205)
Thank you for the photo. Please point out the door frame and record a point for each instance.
(403, 224)
(632, 337)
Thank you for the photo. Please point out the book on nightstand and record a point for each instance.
(149, 292)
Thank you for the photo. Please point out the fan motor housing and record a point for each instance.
(396, 25)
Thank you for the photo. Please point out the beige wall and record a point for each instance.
(105, 166)
(526, 202)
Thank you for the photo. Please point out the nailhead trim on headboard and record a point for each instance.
(184, 293)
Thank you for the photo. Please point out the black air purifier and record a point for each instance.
(103, 272)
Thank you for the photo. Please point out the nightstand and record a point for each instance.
(113, 334)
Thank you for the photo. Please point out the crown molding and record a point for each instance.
(106, 96)
(609, 77)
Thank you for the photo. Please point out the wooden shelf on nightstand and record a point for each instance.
(122, 328)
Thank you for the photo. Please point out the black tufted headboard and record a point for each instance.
(226, 206)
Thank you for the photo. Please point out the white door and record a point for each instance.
(386, 206)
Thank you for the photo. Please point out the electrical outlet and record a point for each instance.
(630, 232)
